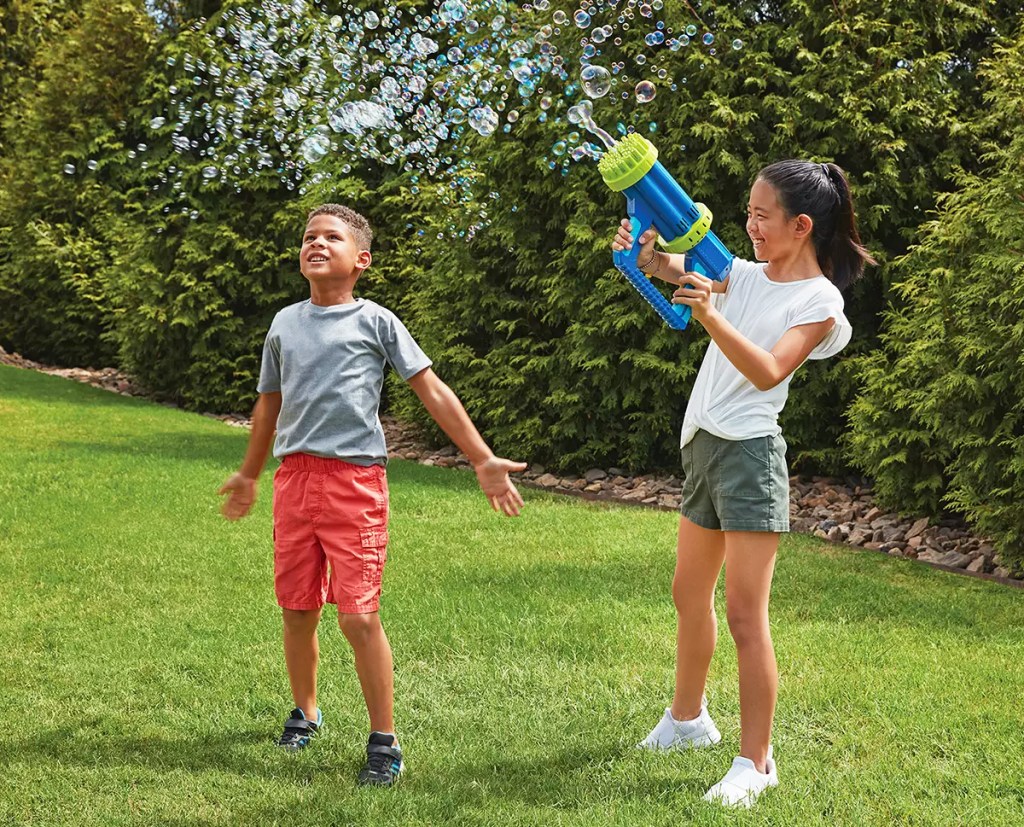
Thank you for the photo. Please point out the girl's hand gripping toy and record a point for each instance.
(654, 197)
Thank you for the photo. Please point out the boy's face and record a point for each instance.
(330, 250)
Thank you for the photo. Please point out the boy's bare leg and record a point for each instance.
(699, 557)
(301, 656)
(750, 563)
(374, 666)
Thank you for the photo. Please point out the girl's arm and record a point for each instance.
(670, 267)
(665, 266)
(764, 368)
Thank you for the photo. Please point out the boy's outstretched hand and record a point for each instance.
(241, 491)
(492, 475)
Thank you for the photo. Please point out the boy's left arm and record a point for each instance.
(491, 471)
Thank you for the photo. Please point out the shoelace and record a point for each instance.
(292, 735)
(378, 763)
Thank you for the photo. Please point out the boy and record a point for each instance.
(320, 383)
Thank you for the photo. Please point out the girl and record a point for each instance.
(764, 320)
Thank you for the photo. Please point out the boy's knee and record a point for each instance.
(299, 620)
(359, 627)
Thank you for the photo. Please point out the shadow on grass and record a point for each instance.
(229, 752)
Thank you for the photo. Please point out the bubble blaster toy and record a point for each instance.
(653, 197)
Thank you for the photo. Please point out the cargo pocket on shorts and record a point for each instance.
(375, 549)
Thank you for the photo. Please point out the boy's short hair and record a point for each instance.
(360, 227)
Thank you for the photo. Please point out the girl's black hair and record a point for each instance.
(822, 192)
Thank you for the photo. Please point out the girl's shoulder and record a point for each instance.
(743, 269)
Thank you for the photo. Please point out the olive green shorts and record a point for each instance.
(736, 485)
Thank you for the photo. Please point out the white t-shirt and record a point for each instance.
(724, 402)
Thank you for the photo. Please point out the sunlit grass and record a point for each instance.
(144, 682)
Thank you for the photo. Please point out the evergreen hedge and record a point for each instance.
(555, 356)
(940, 423)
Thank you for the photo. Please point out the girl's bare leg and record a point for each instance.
(699, 557)
(749, 566)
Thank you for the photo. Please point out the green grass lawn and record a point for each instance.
(144, 683)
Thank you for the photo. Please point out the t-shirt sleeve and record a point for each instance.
(400, 348)
(827, 304)
(270, 368)
(740, 269)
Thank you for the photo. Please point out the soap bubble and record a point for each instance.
(484, 120)
(314, 148)
(737, 44)
(691, 30)
(559, 148)
(581, 19)
(597, 81)
(645, 91)
(211, 171)
(452, 11)
(69, 169)
(157, 122)
(560, 18)
(371, 20)
(708, 38)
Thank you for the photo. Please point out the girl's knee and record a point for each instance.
(748, 626)
(689, 601)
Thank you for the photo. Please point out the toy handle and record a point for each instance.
(637, 227)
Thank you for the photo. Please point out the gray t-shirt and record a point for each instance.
(328, 364)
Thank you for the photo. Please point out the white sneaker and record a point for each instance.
(671, 734)
(743, 783)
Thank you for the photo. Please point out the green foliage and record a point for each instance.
(941, 422)
(556, 355)
(195, 287)
(55, 238)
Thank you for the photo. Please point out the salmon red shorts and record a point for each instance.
(330, 533)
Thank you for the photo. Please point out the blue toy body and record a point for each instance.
(657, 199)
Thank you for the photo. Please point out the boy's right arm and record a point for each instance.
(241, 486)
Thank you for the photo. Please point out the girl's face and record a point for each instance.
(773, 235)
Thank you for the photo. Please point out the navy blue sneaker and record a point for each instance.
(298, 731)
(383, 761)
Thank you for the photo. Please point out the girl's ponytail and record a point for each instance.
(822, 192)
(844, 255)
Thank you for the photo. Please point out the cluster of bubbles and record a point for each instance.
(276, 88)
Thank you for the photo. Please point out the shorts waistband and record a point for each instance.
(315, 464)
